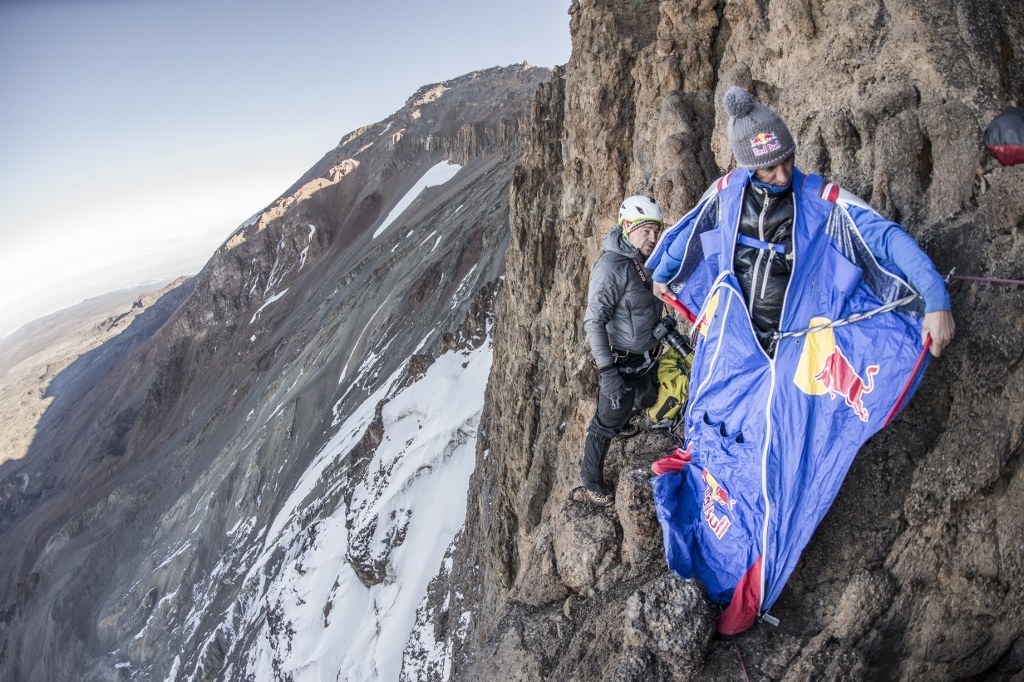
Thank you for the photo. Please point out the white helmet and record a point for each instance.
(639, 208)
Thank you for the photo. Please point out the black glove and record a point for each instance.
(612, 385)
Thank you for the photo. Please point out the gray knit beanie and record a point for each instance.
(757, 135)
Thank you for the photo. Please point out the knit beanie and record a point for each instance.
(757, 135)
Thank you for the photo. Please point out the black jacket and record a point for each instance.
(764, 272)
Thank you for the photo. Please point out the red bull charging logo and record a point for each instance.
(824, 368)
(764, 143)
(715, 494)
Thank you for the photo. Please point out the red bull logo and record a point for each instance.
(840, 378)
(716, 494)
(764, 143)
(702, 323)
(824, 369)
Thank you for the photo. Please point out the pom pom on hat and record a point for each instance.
(738, 102)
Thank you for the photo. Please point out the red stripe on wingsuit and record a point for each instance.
(673, 461)
(830, 192)
(723, 181)
(741, 612)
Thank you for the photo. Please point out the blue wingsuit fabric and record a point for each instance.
(771, 439)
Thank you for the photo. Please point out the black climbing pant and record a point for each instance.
(641, 392)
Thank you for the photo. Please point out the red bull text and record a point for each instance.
(714, 494)
(764, 143)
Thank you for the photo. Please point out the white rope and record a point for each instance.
(858, 317)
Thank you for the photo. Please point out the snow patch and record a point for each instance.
(171, 557)
(175, 667)
(296, 382)
(305, 251)
(269, 301)
(274, 277)
(438, 175)
(327, 624)
(460, 293)
(355, 346)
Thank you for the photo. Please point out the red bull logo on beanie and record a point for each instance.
(715, 494)
(824, 369)
(764, 143)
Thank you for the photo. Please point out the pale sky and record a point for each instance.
(136, 135)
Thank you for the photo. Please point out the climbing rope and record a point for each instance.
(739, 657)
(987, 280)
(857, 317)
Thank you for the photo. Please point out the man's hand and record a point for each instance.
(940, 326)
(613, 386)
(662, 291)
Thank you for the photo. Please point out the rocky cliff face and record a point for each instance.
(243, 484)
(915, 572)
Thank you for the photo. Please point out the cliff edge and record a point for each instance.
(915, 572)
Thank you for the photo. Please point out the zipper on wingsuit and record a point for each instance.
(771, 366)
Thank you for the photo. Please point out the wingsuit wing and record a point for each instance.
(770, 440)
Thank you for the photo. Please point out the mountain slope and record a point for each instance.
(169, 511)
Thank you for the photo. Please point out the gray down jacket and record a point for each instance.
(621, 310)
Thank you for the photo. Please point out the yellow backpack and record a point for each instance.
(673, 389)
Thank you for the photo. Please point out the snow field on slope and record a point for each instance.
(437, 175)
(332, 626)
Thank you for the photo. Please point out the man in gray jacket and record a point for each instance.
(622, 314)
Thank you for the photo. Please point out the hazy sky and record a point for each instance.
(135, 135)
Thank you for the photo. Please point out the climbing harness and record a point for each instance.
(641, 363)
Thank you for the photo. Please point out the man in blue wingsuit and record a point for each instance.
(812, 314)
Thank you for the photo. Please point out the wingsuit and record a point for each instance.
(783, 391)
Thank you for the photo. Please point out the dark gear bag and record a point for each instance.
(1004, 136)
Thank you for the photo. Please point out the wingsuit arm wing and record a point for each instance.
(668, 255)
(890, 242)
